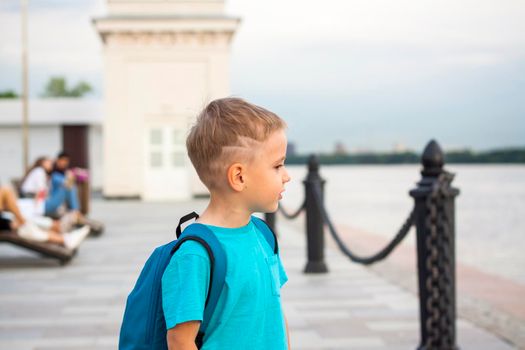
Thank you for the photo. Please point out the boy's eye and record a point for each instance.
(280, 165)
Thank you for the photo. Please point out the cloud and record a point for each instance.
(61, 41)
(362, 70)
(474, 59)
(39, 5)
(369, 45)
(407, 22)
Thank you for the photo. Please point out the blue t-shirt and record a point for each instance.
(248, 314)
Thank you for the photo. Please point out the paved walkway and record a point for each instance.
(45, 306)
(491, 301)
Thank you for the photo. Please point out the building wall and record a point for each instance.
(156, 84)
(95, 156)
(43, 141)
(126, 7)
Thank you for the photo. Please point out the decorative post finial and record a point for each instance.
(432, 159)
(313, 163)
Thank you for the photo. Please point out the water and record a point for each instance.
(490, 215)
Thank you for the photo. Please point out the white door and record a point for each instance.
(165, 97)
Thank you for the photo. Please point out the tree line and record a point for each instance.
(56, 87)
(503, 155)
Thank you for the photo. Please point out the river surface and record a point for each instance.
(490, 210)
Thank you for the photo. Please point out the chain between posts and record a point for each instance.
(433, 215)
(295, 214)
(383, 253)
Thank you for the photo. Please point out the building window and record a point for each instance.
(155, 137)
(156, 159)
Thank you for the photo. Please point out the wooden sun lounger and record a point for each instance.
(64, 255)
(96, 227)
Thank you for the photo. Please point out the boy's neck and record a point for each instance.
(225, 213)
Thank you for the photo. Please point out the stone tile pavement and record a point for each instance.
(45, 306)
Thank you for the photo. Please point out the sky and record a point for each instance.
(370, 74)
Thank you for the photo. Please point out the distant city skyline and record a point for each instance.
(367, 74)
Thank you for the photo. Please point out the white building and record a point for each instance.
(164, 60)
(70, 124)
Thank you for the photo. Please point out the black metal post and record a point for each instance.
(435, 225)
(314, 219)
(270, 220)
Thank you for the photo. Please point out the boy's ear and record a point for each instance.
(236, 174)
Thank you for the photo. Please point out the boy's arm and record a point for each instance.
(182, 336)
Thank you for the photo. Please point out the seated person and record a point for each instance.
(62, 189)
(37, 228)
(54, 183)
(36, 180)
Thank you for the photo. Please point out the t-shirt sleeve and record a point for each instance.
(185, 285)
(283, 277)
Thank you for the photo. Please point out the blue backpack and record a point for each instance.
(144, 326)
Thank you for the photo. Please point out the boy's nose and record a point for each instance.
(287, 177)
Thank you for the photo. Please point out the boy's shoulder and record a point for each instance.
(191, 248)
(195, 248)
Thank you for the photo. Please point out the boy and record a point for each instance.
(238, 150)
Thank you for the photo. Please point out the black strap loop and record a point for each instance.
(183, 220)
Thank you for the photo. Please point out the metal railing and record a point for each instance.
(433, 216)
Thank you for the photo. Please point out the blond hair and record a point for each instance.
(228, 130)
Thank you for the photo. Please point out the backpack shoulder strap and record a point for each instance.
(192, 215)
(203, 235)
(267, 232)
